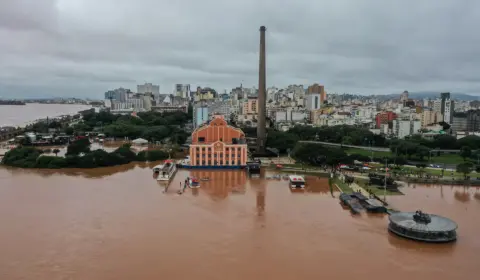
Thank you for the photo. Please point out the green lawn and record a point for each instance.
(344, 187)
(437, 172)
(374, 189)
(443, 158)
(368, 152)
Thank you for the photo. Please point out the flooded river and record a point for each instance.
(20, 115)
(116, 223)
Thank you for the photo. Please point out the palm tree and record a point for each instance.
(56, 151)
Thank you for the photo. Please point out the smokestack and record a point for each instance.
(262, 107)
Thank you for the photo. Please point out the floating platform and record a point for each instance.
(352, 202)
(423, 227)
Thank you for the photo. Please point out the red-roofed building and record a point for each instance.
(384, 118)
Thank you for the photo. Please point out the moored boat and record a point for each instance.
(193, 183)
(165, 171)
(296, 181)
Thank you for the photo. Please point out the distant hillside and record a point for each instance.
(433, 95)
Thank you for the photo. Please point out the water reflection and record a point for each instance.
(477, 195)
(417, 247)
(221, 182)
(87, 173)
(462, 196)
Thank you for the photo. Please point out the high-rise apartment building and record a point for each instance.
(313, 101)
(318, 89)
(148, 88)
(250, 106)
(437, 105)
(118, 95)
(200, 115)
(403, 128)
(448, 109)
(182, 90)
(429, 117)
(384, 118)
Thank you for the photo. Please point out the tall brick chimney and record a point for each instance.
(262, 91)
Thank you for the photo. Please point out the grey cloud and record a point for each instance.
(85, 47)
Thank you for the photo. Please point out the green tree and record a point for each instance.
(154, 155)
(422, 151)
(465, 168)
(190, 111)
(79, 146)
(317, 154)
(56, 151)
(445, 142)
(81, 127)
(282, 141)
(69, 130)
(465, 152)
(471, 141)
(125, 153)
(156, 133)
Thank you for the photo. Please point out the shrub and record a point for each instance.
(126, 153)
(78, 146)
(157, 155)
(142, 156)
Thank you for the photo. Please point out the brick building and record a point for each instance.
(218, 145)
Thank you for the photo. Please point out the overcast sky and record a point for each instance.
(85, 47)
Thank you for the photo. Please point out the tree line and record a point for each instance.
(78, 155)
(153, 126)
(413, 147)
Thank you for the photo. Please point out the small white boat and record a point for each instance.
(296, 181)
(193, 183)
(165, 171)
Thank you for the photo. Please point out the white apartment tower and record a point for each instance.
(313, 101)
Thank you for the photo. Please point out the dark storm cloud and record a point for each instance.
(84, 47)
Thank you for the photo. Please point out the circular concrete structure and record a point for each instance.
(423, 227)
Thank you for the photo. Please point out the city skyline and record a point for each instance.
(80, 48)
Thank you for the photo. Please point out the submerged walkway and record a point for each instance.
(356, 188)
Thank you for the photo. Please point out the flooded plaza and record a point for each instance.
(117, 223)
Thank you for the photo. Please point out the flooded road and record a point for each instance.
(116, 223)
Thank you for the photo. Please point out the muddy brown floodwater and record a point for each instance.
(116, 223)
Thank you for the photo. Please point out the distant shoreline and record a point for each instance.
(12, 102)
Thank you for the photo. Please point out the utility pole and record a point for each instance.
(385, 183)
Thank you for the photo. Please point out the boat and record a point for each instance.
(253, 167)
(193, 183)
(184, 162)
(165, 171)
(296, 181)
